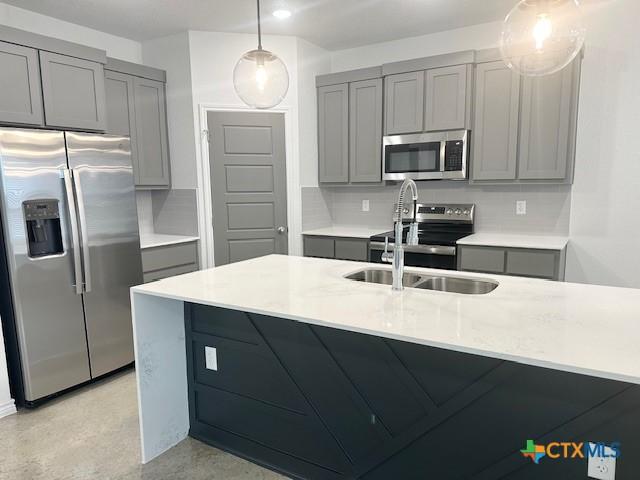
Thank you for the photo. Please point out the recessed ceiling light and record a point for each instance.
(282, 13)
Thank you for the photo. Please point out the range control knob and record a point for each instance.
(449, 212)
(458, 211)
(466, 212)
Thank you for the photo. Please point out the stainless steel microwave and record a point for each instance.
(426, 156)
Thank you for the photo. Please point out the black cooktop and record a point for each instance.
(447, 236)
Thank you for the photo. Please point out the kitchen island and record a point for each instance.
(284, 361)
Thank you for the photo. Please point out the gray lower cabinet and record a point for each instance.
(535, 263)
(20, 89)
(169, 260)
(524, 128)
(152, 138)
(365, 131)
(121, 113)
(404, 103)
(448, 98)
(73, 92)
(336, 247)
(495, 128)
(333, 134)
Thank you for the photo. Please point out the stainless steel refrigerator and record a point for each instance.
(71, 251)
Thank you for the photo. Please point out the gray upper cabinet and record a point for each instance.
(73, 92)
(365, 131)
(447, 92)
(546, 140)
(121, 113)
(20, 93)
(333, 133)
(495, 129)
(524, 127)
(151, 128)
(404, 103)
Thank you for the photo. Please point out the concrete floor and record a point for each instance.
(93, 434)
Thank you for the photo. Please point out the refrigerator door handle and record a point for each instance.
(75, 238)
(84, 233)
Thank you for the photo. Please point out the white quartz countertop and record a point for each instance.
(348, 232)
(488, 239)
(588, 329)
(150, 240)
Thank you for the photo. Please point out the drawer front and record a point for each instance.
(352, 249)
(319, 247)
(158, 258)
(482, 259)
(532, 263)
(301, 436)
(169, 272)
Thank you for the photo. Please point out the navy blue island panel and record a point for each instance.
(321, 403)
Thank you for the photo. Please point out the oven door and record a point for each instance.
(426, 256)
(419, 157)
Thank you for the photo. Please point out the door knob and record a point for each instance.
(281, 230)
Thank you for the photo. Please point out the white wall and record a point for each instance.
(605, 226)
(173, 55)
(116, 47)
(312, 61)
(476, 37)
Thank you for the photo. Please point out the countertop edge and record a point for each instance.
(165, 243)
(526, 242)
(420, 341)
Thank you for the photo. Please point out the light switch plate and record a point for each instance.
(602, 468)
(521, 207)
(365, 205)
(211, 358)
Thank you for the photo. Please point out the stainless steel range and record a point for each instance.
(440, 226)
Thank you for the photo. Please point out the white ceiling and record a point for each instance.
(332, 24)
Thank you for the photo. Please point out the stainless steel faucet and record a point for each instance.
(397, 257)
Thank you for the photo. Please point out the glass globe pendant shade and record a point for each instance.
(541, 37)
(260, 79)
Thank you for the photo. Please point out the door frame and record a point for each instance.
(205, 197)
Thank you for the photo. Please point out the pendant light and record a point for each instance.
(541, 37)
(260, 78)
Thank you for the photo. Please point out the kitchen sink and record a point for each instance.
(468, 286)
(440, 283)
(384, 277)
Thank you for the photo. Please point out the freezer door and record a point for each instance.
(40, 255)
(107, 214)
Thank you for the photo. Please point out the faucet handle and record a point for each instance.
(386, 256)
(412, 234)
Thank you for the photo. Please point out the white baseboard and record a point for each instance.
(7, 408)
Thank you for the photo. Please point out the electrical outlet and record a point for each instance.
(365, 205)
(210, 358)
(521, 207)
(602, 468)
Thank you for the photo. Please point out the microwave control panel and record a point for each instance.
(453, 155)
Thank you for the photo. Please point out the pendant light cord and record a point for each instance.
(259, 28)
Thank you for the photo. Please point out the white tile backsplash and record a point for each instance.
(145, 211)
(548, 206)
(317, 205)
